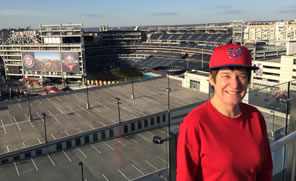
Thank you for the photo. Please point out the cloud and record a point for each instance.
(165, 14)
(11, 12)
(97, 15)
(287, 9)
(232, 12)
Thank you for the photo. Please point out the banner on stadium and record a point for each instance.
(42, 61)
(70, 62)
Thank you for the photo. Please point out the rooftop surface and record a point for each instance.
(66, 114)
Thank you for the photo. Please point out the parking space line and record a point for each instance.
(91, 126)
(137, 169)
(113, 120)
(16, 123)
(7, 148)
(123, 174)
(132, 140)
(66, 133)
(161, 159)
(79, 130)
(36, 168)
(108, 145)
(53, 137)
(95, 149)
(29, 121)
(19, 105)
(81, 152)
(40, 116)
(84, 109)
(97, 109)
(24, 145)
(144, 138)
(17, 171)
(3, 127)
(151, 165)
(105, 177)
(53, 116)
(63, 113)
(58, 98)
(39, 101)
(67, 156)
(121, 143)
(102, 123)
(39, 140)
(76, 112)
(51, 160)
(151, 133)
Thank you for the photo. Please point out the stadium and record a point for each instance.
(108, 130)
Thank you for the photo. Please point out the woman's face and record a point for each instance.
(230, 85)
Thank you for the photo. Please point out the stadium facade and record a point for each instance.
(67, 52)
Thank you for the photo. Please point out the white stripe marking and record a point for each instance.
(36, 168)
(53, 136)
(19, 105)
(137, 169)
(105, 177)
(53, 116)
(161, 159)
(66, 133)
(144, 138)
(121, 143)
(123, 174)
(17, 171)
(108, 145)
(16, 123)
(3, 127)
(24, 145)
(39, 140)
(7, 148)
(151, 165)
(29, 121)
(95, 149)
(67, 156)
(91, 126)
(51, 160)
(81, 152)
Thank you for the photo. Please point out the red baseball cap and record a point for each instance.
(231, 55)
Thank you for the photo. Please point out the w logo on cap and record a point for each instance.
(233, 53)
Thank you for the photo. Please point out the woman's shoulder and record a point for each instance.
(200, 111)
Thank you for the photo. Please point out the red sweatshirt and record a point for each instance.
(214, 147)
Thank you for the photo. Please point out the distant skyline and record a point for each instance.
(94, 13)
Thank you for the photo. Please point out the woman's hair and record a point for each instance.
(214, 72)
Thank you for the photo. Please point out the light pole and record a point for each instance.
(272, 133)
(44, 123)
(87, 100)
(169, 110)
(28, 100)
(133, 95)
(81, 165)
(118, 99)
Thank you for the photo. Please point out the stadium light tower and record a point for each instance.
(87, 99)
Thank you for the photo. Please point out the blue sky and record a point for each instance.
(93, 13)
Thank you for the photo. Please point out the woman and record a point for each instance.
(224, 139)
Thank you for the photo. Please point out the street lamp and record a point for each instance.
(118, 99)
(272, 133)
(169, 110)
(44, 123)
(133, 95)
(81, 165)
(28, 100)
(87, 100)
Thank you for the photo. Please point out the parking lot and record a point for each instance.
(126, 158)
(67, 115)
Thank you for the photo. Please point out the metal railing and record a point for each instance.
(283, 154)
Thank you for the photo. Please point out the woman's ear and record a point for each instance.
(211, 80)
